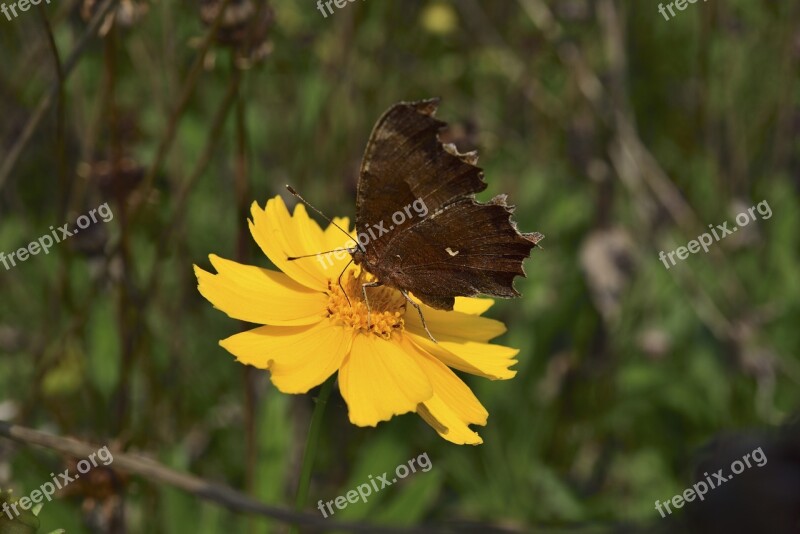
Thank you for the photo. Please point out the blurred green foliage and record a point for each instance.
(625, 367)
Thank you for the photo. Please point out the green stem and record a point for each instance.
(312, 442)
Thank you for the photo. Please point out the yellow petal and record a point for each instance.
(437, 414)
(378, 380)
(454, 325)
(280, 235)
(298, 357)
(333, 263)
(334, 239)
(450, 391)
(472, 306)
(482, 359)
(258, 295)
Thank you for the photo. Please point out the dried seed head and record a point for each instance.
(244, 27)
(128, 13)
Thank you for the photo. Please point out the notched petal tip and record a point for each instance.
(459, 434)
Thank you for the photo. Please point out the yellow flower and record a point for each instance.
(311, 331)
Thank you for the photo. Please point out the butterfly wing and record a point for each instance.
(459, 247)
(466, 249)
(405, 162)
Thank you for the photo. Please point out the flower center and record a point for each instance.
(386, 306)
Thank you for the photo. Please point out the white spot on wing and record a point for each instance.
(451, 252)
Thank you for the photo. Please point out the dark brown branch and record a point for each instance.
(203, 489)
(183, 102)
(44, 104)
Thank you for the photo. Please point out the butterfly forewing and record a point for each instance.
(459, 247)
(404, 162)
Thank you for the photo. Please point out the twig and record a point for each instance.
(183, 102)
(44, 104)
(214, 136)
(242, 188)
(645, 178)
(515, 69)
(203, 489)
(60, 136)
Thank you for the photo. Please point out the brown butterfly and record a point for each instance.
(449, 245)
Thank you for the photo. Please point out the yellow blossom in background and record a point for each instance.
(439, 18)
(311, 331)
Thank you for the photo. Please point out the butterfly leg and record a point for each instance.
(419, 310)
(340, 283)
(366, 301)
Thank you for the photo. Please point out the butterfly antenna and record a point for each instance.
(304, 201)
(292, 258)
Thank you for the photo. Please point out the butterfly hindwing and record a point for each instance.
(444, 257)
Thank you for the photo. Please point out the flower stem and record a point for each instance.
(311, 445)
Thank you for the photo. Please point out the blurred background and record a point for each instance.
(616, 133)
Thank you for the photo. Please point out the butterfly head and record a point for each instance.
(359, 254)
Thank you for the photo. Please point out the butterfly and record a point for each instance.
(459, 247)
